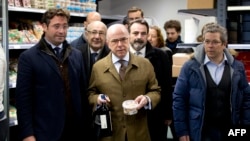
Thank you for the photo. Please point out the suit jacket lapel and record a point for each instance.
(44, 51)
(111, 67)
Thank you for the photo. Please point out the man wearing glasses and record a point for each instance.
(138, 83)
(91, 16)
(96, 47)
(212, 94)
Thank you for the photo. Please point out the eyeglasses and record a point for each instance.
(116, 41)
(57, 26)
(96, 32)
(214, 42)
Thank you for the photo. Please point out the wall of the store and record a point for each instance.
(157, 10)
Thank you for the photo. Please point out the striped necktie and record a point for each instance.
(122, 69)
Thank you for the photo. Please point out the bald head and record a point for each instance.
(117, 40)
(97, 24)
(115, 29)
(92, 16)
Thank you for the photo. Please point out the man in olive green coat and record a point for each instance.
(139, 84)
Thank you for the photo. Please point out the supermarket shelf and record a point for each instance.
(238, 8)
(12, 85)
(13, 122)
(202, 12)
(113, 17)
(239, 46)
(35, 10)
(230, 46)
(12, 116)
(187, 45)
(20, 46)
(24, 9)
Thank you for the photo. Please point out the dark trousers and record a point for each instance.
(4, 129)
(158, 132)
(214, 134)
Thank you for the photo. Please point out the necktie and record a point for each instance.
(138, 53)
(122, 69)
(93, 57)
(57, 52)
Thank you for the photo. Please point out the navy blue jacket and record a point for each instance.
(190, 94)
(40, 99)
(84, 48)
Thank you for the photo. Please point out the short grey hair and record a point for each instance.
(216, 28)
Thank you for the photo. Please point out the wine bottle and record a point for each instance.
(103, 125)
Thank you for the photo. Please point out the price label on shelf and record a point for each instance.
(16, 46)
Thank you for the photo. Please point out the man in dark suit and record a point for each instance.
(161, 116)
(51, 86)
(138, 84)
(96, 47)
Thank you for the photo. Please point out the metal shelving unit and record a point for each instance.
(4, 43)
(220, 12)
(202, 12)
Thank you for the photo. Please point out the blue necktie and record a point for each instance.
(57, 52)
(93, 57)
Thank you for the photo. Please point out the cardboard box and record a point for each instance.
(180, 58)
(176, 69)
(200, 4)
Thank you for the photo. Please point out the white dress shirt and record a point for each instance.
(216, 71)
(142, 51)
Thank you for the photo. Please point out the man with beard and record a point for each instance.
(161, 116)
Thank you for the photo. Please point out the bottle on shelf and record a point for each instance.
(102, 123)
